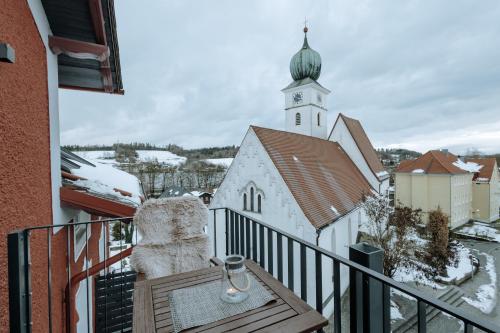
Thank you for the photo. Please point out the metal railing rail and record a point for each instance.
(19, 265)
(242, 238)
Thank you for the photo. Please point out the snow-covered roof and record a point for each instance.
(105, 180)
(467, 166)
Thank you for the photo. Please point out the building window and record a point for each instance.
(319, 119)
(259, 203)
(244, 201)
(251, 199)
(297, 119)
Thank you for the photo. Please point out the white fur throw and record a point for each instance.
(172, 234)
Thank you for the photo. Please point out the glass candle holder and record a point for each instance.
(235, 281)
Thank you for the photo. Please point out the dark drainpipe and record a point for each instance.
(318, 232)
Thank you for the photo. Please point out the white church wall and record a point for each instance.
(337, 238)
(252, 165)
(341, 134)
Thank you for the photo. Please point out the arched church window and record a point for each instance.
(259, 203)
(297, 119)
(244, 201)
(319, 119)
(251, 199)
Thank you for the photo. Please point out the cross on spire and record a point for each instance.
(305, 25)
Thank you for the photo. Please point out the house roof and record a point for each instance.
(364, 145)
(100, 180)
(321, 177)
(486, 172)
(85, 39)
(432, 162)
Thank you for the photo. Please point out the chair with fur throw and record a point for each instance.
(173, 240)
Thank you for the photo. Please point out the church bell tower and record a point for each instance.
(305, 98)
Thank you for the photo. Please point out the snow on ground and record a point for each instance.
(486, 293)
(96, 154)
(161, 156)
(463, 268)
(411, 274)
(467, 166)
(395, 314)
(225, 162)
(480, 230)
(104, 178)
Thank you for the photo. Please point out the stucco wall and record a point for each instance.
(25, 184)
(341, 134)
(452, 193)
(461, 199)
(481, 201)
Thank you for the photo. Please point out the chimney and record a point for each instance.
(445, 151)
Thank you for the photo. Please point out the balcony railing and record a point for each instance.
(70, 246)
(255, 240)
(290, 259)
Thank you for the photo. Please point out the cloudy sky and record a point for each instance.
(418, 74)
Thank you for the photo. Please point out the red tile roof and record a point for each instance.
(364, 145)
(488, 164)
(322, 178)
(434, 161)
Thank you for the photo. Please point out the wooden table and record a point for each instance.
(288, 314)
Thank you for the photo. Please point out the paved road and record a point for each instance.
(482, 277)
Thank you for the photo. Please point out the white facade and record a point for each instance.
(305, 110)
(340, 134)
(252, 168)
(44, 30)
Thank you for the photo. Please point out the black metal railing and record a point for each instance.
(242, 237)
(20, 271)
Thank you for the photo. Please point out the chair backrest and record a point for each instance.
(170, 219)
(172, 237)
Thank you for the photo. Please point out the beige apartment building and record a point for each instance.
(437, 179)
(486, 190)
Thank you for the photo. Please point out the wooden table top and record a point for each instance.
(288, 314)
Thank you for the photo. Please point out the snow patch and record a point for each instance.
(395, 314)
(160, 156)
(418, 171)
(467, 166)
(334, 210)
(96, 154)
(463, 268)
(486, 293)
(480, 230)
(382, 174)
(225, 162)
(295, 158)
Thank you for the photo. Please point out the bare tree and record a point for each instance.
(390, 228)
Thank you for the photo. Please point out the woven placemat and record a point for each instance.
(200, 305)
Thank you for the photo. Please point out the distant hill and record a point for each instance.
(126, 151)
(397, 154)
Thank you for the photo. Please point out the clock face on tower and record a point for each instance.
(297, 97)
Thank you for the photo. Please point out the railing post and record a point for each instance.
(366, 294)
(19, 282)
(215, 233)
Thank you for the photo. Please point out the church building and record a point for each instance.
(304, 180)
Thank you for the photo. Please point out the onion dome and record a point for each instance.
(306, 63)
